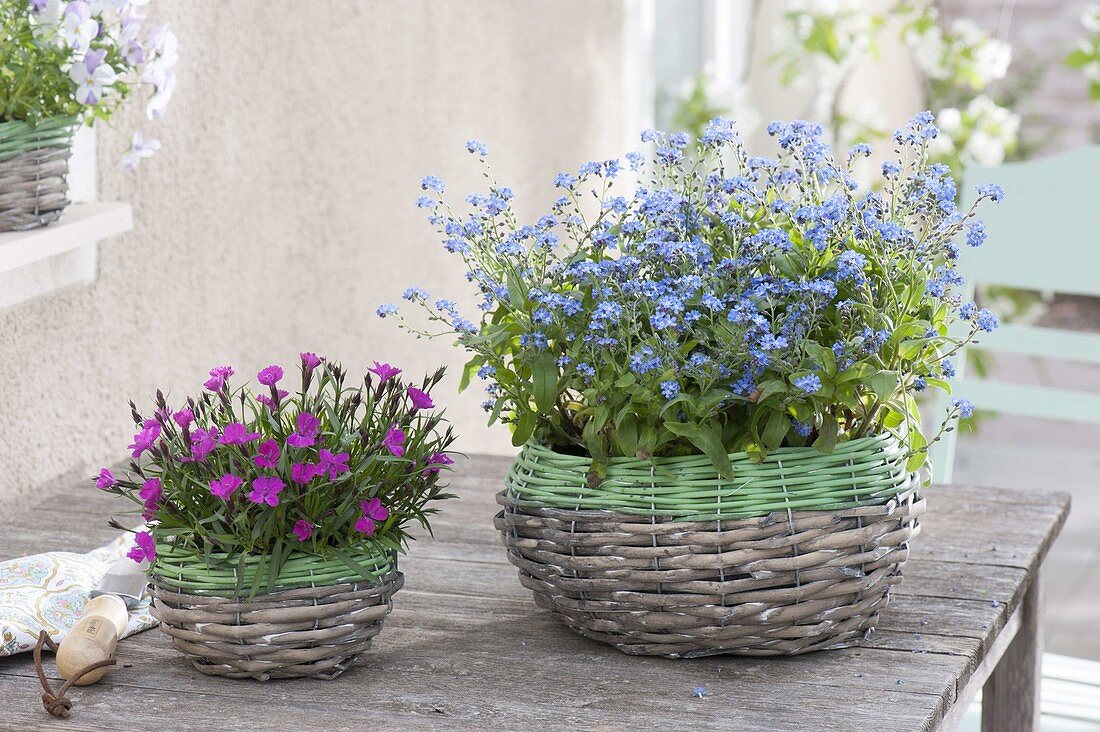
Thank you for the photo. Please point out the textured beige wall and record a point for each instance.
(280, 211)
(888, 82)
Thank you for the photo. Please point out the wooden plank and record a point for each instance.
(969, 692)
(1010, 699)
(465, 661)
(466, 646)
(1033, 340)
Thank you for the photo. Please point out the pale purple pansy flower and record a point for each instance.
(270, 376)
(143, 440)
(266, 490)
(302, 473)
(184, 418)
(90, 76)
(303, 529)
(140, 148)
(105, 479)
(38, 5)
(78, 27)
(268, 454)
(307, 431)
(435, 460)
(373, 512)
(130, 28)
(224, 486)
(335, 464)
(420, 399)
(133, 52)
(144, 547)
(219, 375)
(236, 433)
(394, 441)
(163, 48)
(164, 84)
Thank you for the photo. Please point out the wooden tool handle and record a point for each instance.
(92, 639)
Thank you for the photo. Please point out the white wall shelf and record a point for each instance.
(61, 254)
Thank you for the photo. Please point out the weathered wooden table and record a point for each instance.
(466, 647)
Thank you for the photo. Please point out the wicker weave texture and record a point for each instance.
(315, 632)
(34, 161)
(783, 582)
(869, 470)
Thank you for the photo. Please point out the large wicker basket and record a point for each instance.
(318, 621)
(34, 160)
(667, 558)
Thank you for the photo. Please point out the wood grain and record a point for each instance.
(466, 648)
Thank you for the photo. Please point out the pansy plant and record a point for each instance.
(309, 463)
(723, 302)
(85, 59)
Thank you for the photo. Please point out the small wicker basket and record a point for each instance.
(34, 162)
(667, 558)
(318, 621)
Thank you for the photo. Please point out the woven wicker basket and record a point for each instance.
(318, 621)
(34, 160)
(793, 555)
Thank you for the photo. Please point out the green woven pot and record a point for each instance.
(866, 471)
(34, 163)
(320, 615)
(184, 571)
(795, 554)
(17, 136)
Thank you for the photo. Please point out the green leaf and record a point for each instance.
(468, 372)
(941, 384)
(625, 381)
(355, 566)
(517, 292)
(826, 434)
(1078, 58)
(497, 408)
(884, 384)
(910, 348)
(707, 439)
(858, 371)
(770, 387)
(276, 564)
(594, 441)
(626, 433)
(525, 427)
(822, 356)
(892, 419)
(775, 430)
(544, 374)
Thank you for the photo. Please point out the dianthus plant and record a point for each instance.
(326, 469)
(727, 303)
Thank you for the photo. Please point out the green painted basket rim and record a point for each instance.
(184, 571)
(18, 136)
(865, 471)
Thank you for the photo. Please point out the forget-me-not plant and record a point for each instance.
(728, 302)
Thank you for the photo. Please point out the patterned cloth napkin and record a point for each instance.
(48, 591)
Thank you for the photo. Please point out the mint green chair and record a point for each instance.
(1044, 235)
